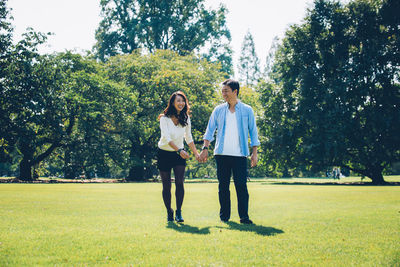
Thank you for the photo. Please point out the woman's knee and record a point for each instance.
(179, 184)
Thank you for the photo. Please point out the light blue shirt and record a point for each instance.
(246, 125)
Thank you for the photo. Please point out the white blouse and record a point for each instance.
(176, 133)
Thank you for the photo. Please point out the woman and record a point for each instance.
(175, 125)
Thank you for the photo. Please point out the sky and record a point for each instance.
(74, 22)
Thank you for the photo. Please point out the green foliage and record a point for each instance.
(5, 32)
(220, 51)
(99, 102)
(35, 114)
(151, 79)
(67, 114)
(334, 98)
(269, 61)
(182, 26)
(5, 42)
(44, 98)
(249, 63)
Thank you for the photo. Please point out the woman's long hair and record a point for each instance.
(171, 110)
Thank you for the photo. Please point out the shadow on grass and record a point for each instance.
(185, 228)
(258, 229)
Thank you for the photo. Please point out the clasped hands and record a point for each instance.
(203, 157)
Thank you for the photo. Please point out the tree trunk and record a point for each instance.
(377, 177)
(25, 170)
(372, 171)
(68, 168)
(285, 172)
(136, 173)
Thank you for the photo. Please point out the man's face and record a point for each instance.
(227, 93)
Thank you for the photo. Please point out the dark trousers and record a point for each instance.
(226, 166)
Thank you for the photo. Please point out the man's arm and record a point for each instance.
(211, 127)
(253, 138)
(204, 151)
(254, 156)
(208, 136)
(253, 130)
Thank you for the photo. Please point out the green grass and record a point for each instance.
(125, 224)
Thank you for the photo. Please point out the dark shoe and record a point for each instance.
(170, 214)
(178, 216)
(224, 220)
(246, 221)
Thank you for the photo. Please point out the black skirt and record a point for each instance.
(166, 160)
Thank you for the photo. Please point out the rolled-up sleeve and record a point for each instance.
(211, 127)
(188, 132)
(253, 129)
(164, 129)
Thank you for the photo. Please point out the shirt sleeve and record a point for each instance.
(211, 127)
(188, 132)
(164, 129)
(253, 129)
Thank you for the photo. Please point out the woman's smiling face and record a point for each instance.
(179, 103)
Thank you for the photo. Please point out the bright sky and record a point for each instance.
(74, 22)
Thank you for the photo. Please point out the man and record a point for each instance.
(234, 121)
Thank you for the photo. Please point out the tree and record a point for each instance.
(220, 51)
(152, 79)
(249, 63)
(269, 61)
(334, 99)
(181, 26)
(6, 146)
(98, 101)
(33, 110)
(44, 95)
(6, 31)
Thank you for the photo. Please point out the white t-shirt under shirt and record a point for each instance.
(175, 133)
(231, 140)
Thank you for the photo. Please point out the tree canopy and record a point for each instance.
(334, 98)
(152, 79)
(5, 43)
(181, 26)
(44, 97)
(249, 63)
(330, 97)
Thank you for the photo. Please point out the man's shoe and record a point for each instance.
(246, 221)
(170, 215)
(178, 216)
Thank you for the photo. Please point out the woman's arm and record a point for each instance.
(194, 150)
(172, 144)
(189, 138)
(182, 153)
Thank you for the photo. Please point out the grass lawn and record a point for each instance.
(125, 224)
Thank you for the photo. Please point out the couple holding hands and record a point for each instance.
(234, 122)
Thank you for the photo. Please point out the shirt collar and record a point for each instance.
(237, 106)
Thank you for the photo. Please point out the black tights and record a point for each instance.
(179, 172)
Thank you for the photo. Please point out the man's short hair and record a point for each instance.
(234, 85)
